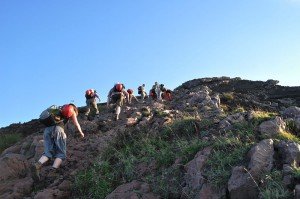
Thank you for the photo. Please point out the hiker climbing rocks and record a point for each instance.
(91, 101)
(142, 92)
(167, 95)
(117, 95)
(160, 91)
(155, 92)
(131, 96)
(54, 118)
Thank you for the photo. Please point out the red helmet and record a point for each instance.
(119, 87)
(67, 110)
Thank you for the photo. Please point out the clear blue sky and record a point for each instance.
(52, 51)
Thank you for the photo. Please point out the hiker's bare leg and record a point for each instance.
(43, 159)
(57, 162)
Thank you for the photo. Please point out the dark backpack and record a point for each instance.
(51, 116)
(89, 94)
(140, 90)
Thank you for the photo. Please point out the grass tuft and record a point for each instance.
(8, 140)
(273, 187)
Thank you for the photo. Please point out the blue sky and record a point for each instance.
(52, 51)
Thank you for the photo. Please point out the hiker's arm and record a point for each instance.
(126, 94)
(75, 122)
(97, 96)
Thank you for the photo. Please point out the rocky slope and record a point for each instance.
(218, 138)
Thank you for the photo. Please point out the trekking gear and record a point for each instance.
(162, 88)
(51, 116)
(153, 94)
(35, 171)
(130, 91)
(118, 87)
(90, 93)
(140, 90)
(52, 174)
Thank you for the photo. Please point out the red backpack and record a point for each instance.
(118, 87)
(89, 92)
(130, 91)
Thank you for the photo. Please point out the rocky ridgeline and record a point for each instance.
(213, 99)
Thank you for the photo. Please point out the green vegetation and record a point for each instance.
(160, 113)
(227, 96)
(296, 172)
(229, 150)
(94, 182)
(239, 110)
(8, 140)
(273, 187)
(291, 127)
(261, 116)
(121, 161)
(156, 157)
(284, 135)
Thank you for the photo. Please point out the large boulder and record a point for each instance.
(297, 191)
(210, 192)
(241, 184)
(16, 188)
(132, 190)
(52, 194)
(232, 119)
(261, 158)
(13, 166)
(194, 175)
(15, 179)
(272, 127)
(291, 112)
(297, 124)
(198, 97)
(242, 181)
(289, 152)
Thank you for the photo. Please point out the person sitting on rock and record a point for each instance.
(91, 101)
(131, 96)
(117, 95)
(142, 92)
(55, 137)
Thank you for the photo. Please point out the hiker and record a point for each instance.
(117, 95)
(167, 95)
(131, 96)
(55, 137)
(155, 92)
(91, 101)
(142, 92)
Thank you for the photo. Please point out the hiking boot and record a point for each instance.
(116, 118)
(36, 170)
(53, 173)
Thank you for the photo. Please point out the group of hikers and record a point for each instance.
(54, 118)
(118, 95)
